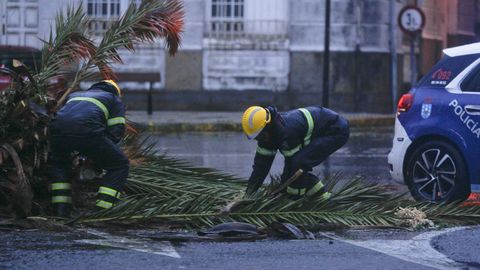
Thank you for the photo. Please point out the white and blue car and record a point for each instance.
(436, 147)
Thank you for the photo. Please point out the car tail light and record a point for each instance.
(405, 103)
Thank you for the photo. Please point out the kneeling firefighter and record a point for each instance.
(305, 137)
(91, 122)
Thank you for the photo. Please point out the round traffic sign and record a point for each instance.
(411, 19)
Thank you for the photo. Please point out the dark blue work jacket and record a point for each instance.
(290, 131)
(94, 112)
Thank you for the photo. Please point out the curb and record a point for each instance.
(160, 128)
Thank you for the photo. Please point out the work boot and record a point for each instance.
(62, 210)
(308, 185)
(107, 198)
(62, 199)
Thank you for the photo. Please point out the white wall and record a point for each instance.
(192, 36)
(48, 10)
(245, 70)
(266, 16)
(21, 20)
(353, 22)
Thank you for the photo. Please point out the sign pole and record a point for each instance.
(411, 20)
(413, 61)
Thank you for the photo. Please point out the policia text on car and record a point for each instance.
(92, 122)
(305, 137)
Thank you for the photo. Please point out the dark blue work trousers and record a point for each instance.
(101, 150)
(317, 151)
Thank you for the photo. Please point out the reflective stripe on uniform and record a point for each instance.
(291, 152)
(309, 118)
(109, 191)
(318, 186)
(104, 204)
(296, 191)
(61, 186)
(326, 196)
(94, 101)
(61, 199)
(308, 136)
(116, 121)
(266, 152)
(301, 191)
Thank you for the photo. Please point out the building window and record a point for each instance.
(227, 16)
(102, 14)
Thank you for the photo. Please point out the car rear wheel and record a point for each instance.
(436, 172)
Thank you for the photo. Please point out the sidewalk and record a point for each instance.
(184, 121)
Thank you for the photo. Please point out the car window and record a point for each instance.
(446, 70)
(472, 82)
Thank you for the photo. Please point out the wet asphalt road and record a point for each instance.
(351, 250)
(365, 154)
(461, 246)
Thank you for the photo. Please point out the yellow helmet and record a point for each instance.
(254, 120)
(114, 84)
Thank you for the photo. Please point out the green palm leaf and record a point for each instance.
(170, 191)
(70, 44)
(145, 23)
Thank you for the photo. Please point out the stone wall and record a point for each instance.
(367, 92)
(184, 71)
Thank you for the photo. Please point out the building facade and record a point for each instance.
(236, 53)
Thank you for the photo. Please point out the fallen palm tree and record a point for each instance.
(27, 106)
(159, 188)
(169, 191)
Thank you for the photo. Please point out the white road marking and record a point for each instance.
(164, 248)
(416, 250)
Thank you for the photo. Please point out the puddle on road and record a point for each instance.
(365, 154)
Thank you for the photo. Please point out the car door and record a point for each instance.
(464, 110)
(466, 106)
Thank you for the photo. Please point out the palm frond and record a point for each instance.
(454, 213)
(200, 204)
(145, 23)
(70, 44)
(26, 104)
(166, 190)
(168, 176)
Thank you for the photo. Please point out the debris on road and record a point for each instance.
(414, 218)
(290, 231)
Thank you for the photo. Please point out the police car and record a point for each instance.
(436, 147)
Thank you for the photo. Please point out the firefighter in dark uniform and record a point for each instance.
(305, 137)
(91, 122)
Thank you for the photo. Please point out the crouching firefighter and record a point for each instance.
(305, 137)
(91, 122)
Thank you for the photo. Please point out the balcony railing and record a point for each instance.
(246, 35)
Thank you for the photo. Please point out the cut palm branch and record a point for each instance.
(161, 188)
(71, 44)
(353, 203)
(26, 106)
(139, 24)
